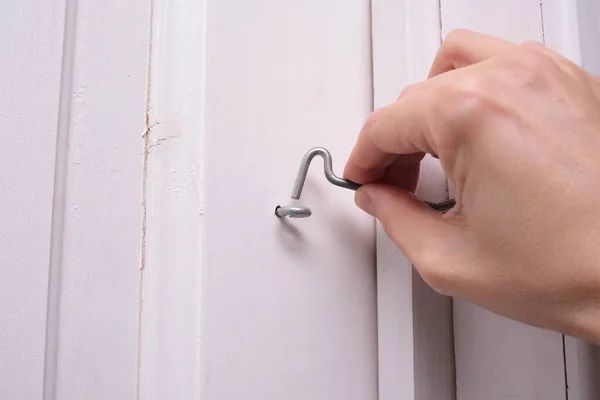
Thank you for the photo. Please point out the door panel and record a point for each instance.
(31, 54)
(288, 305)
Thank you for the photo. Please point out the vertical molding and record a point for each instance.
(414, 322)
(99, 282)
(498, 358)
(171, 295)
(58, 202)
(31, 49)
(589, 33)
(583, 369)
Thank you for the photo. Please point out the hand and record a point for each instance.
(517, 131)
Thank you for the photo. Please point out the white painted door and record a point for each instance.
(288, 307)
(145, 148)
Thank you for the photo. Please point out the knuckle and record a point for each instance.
(570, 70)
(456, 37)
(408, 90)
(456, 108)
(574, 70)
(533, 46)
(531, 62)
(372, 122)
(453, 42)
(530, 57)
(446, 119)
(442, 98)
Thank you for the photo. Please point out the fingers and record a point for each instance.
(462, 48)
(422, 234)
(400, 170)
(402, 131)
(394, 134)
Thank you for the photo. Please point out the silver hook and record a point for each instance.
(293, 211)
(328, 166)
(304, 212)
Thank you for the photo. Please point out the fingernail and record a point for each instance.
(363, 201)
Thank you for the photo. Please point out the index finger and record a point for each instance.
(462, 48)
(403, 128)
(396, 130)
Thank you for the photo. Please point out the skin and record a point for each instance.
(516, 128)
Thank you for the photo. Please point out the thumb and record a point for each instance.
(420, 232)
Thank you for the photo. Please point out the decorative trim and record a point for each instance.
(171, 294)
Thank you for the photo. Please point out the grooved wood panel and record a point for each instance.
(497, 358)
(583, 369)
(289, 306)
(588, 28)
(31, 53)
(515, 20)
(414, 323)
(102, 243)
(170, 334)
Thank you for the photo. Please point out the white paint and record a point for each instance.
(589, 34)
(414, 323)
(514, 20)
(170, 357)
(289, 306)
(99, 289)
(497, 358)
(31, 50)
(561, 28)
(87, 324)
(583, 369)
(58, 206)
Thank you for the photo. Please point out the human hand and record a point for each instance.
(517, 131)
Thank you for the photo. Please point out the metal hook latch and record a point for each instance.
(304, 212)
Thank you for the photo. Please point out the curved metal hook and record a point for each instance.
(293, 211)
(331, 177)
(328, 166)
